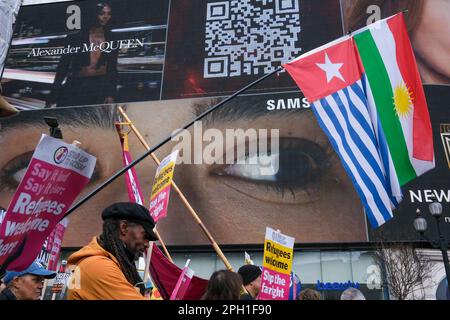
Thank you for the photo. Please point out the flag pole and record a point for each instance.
(163, 142)
(180, 193)
(122, 135)
(148, 257)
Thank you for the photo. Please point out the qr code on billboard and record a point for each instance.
(250, 37)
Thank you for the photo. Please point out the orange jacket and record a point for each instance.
(97, 276)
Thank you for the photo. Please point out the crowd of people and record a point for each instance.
(107, 271)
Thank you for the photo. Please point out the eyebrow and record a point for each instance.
(98, 116)
(250, 107)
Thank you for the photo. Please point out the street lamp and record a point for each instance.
(420, 225)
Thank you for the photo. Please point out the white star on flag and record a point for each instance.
(331, 69)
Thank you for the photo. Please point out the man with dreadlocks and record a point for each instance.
(105, 268)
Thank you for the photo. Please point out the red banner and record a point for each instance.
(165, 275)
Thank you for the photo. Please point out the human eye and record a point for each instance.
(301, 167)
(12, 173)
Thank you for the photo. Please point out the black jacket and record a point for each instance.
(246, 296)
(7, 295)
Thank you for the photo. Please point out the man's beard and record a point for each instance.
(131, 255)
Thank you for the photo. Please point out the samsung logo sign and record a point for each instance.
(287, 104)
(336, 286)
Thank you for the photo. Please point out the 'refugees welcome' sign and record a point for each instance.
(277, 266)
(56, 175)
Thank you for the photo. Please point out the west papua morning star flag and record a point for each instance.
(332, 78)
(56, 175)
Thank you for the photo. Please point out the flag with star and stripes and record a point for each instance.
(351, 106)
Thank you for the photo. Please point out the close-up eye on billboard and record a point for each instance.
(344, 144)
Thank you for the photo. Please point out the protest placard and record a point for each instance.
(55, 176)
(159, 199)
(183, 283)
(59, 284)
(277, 266)
(54, 243)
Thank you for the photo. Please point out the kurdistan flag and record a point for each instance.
(396, 99)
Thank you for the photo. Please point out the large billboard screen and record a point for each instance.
(193, 55)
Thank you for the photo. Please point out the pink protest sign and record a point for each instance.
(54, 243)
(159, 199)
(54, 178)
(183, 283)
(277, 266)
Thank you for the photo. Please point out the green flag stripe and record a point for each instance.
(384, 99)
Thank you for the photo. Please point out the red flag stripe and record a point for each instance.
(422, 133)
(309, 71)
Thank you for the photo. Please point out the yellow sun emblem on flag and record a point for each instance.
(403, 100)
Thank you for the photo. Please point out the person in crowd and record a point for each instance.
(2, 286)
(223, 285)
(352, 294)
(90, 76)
(26, 284)
(105, 269)
(428, 26)
(251, 278)
(309, 294)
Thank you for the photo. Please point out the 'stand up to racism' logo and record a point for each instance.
(60, 155)
(445, 136)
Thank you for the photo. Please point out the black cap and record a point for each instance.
(249, 273)
(132, 212)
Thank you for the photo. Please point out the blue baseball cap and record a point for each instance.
(35, 268)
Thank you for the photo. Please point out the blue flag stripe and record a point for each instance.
(380, 144)
(365, 143)
(370, 214)
(329, 121)
(344, 116)
(377, 191)
(354, 97)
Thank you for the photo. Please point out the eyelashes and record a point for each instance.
(12, 173)
(291, 174)
(294, 174)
